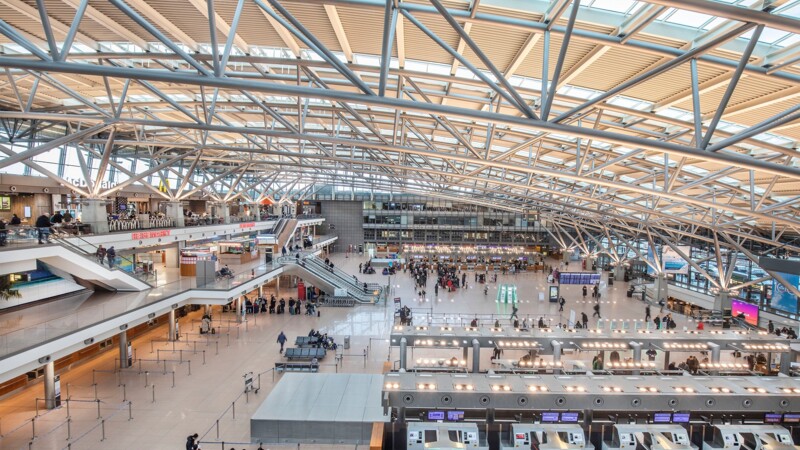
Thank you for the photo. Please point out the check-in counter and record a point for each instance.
(649, 437)
(750, 437)
(441, 435)
(545, 436)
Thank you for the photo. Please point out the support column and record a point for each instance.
(660, 290)
(556, 351)
(619, 272)
(173, 255)
(666, 360)
(174, 211)
(787, 358)
(403, 353)
(237, 309)
(637, 354)
(278, 287)
(171, 321)
(93, 212)
(49, 385)
(466, 354)
(222, 211)
(722, 302)
(476, 356)
(715, 352)
(123, 350)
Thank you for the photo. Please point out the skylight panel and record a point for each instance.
(613, 5)
(689, 18)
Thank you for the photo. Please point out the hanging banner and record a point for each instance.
(672, 262)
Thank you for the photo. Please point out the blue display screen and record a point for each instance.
(680, 418)
(550, 417)
(569, 417)
(791, 418)
(772, 418)
(455, 416)
(435, 415)
(662, 418)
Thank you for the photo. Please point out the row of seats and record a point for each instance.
(296, 367)
(305, 353)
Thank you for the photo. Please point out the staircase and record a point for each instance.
(314, 270)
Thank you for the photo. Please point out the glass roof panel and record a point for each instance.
(689, 18)
(614, 5)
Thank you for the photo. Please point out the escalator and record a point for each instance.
(314, 271)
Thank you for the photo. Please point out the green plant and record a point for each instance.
(6, 293)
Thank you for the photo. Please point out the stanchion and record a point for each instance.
(217, 428)
(146, 375)
(130, 410)
(217, 344)
(190, 367)
(204, 357)
(154, 393)
(95, 390)
(98, 408)
(173, 378)
(33, 427)
(233, 406)
(69, 428)
(124, 393)
(102, 430)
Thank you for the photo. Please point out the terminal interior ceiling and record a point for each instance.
(659, 118)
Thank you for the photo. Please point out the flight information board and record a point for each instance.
(585, 278)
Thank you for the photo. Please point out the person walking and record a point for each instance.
(513, 312)
(282, 340)
(584, 292)
(597, 311)
(100, 254)
(561, 303)
(43, 225)
(110, 255)
(647, 313)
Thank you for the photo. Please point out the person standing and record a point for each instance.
(561, 303)
(585, 320)
(771, 327)
(100, 254)
(191, 442)
(281, 340)
(584, 292)
(111, 254)
(647, 313)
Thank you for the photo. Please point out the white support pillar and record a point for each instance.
(222, 211)
(123, 350)
(171, 320)
(173, 255)
(174, 211)
(722, 302)
(49, 385)
(93, 213)
(619, 272)
(660, 290)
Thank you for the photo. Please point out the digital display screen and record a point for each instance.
(435, 415)
(782, 298)
(791, 418)
(750, 311)
(772, 418)
(455, 416)
(680, 418)
(550, 417)
(569, 417)
(662, 418)
(579, 278)
(520, 436)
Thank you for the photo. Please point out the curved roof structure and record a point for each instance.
(674, 116)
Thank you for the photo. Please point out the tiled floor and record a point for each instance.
(215, 388)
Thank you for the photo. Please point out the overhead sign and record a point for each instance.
(150, 234)
(672, 262)
(247, 225)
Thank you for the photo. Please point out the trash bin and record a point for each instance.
(610, 280)
(347, 342)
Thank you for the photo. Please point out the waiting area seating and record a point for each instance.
(304, 353)
(297, 367)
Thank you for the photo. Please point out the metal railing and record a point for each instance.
(319, 270)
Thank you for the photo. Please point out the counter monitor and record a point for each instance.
(550, 417)
(772, 418)
(680, 417)
(435, 415)
(791, 418)
(662, 418)
(569, 417)
(455, 416)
